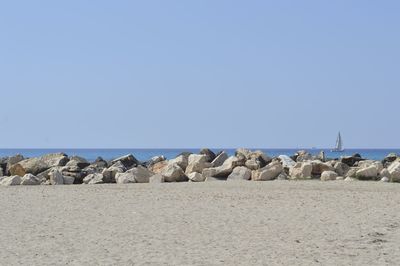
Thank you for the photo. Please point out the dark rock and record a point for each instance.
(209, 153)
(128, 161)
(351, 160)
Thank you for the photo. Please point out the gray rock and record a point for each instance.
(225, 169)
(210, 155)
(303, 156)
(157, 178)
(96, 178)
(286, 161)
(319, 167)
(30, 180)
(341, 168)
(240, 173)
(220, 159)
(11, 181)
(182, 161)
(156, 159)
(269, 172)
(77, 162)
(174, 173)
(328, 175)
(109, 173)
(197, 163)
(301, 170)
(196, 177)
(141, 174)
(394, 171)
(38, 164)
(124, 178)
(282, 176)
(56, 178)
(253, 164)
(368, 173)
(127, 161)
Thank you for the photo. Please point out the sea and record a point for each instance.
(146, 154)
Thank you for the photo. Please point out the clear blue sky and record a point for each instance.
(151, 74)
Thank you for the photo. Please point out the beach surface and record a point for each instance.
(211, 223)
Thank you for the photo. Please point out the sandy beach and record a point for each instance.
(212, 223)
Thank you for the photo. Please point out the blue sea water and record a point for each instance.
(145, 154)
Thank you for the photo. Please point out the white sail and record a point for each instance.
(339, 143)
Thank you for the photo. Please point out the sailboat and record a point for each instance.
(339, 144)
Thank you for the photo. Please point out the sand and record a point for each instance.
(214, 223)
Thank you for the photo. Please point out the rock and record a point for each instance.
(286, 161)
(253, 164)
(109, 173)
(240, 173)
(127, 160)
(351, 160)
(182, 161)
(157, 178)
(385, 179)
(96, 178)
(243, 152)
(197, 163)
(258, 155)
(220, 159)
(155, 159)
(30, 180)
(124, 178)
(349, 179)
(210, 155)
(196, 177)
(367, 163)
(141, 174)
(1, 172)
(319, 167)
(368, 173)
(328, 175)
(352, 172)
(341, 168)
(77, 162)
(339, 178)
(394, 171)
(11, 161)
(269, 172)
(225, 169)
(301, 170)
(174, 173)
(158, 167)
(68, 180)
(99, 163)
(11, 181)
(38, 164)
(384, 172)
(17, 169)
(282, 176)
(391, 157)
(303, 156)
(56, 178)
